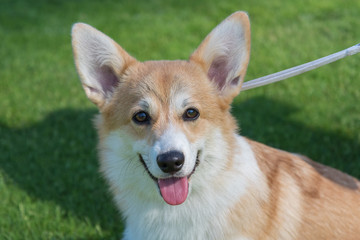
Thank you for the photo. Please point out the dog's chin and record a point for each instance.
(173, 189)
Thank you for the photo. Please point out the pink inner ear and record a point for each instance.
(235, 81)
(218, 72)
(107, 79)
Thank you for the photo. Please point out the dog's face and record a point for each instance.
(160, 120)
(166, 119)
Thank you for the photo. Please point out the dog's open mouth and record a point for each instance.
(174, 190)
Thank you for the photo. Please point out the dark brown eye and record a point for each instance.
(191, 114)
(141, 118)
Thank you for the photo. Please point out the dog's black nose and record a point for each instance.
(170, 162)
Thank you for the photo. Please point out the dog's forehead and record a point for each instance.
(167, 80)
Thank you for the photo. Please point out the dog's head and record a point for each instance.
(164, 117)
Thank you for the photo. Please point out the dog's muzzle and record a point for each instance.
(174, 190)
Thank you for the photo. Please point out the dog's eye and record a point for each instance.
(191, 114)
(141, 118)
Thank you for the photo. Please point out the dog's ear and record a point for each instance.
(224, 54)
(100, 62)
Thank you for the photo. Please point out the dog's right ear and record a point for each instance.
(100, 62)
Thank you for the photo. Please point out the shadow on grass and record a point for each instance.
(55, 159)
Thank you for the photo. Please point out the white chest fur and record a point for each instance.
(204, 215)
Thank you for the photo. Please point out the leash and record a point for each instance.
(275, 77)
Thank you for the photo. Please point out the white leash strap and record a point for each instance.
(275, 77)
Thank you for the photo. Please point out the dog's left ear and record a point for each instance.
(224, 54)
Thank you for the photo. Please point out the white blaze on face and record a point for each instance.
(172, 137)
(173, 186)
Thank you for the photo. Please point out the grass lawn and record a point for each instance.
(50, 187)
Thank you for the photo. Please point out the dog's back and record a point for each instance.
(317, 201)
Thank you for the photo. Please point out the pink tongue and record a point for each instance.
(174, 190)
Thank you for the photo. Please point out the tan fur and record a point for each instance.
(322, 207)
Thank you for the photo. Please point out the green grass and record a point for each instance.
(50, 187)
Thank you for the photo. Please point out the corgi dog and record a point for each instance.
(176, 166)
